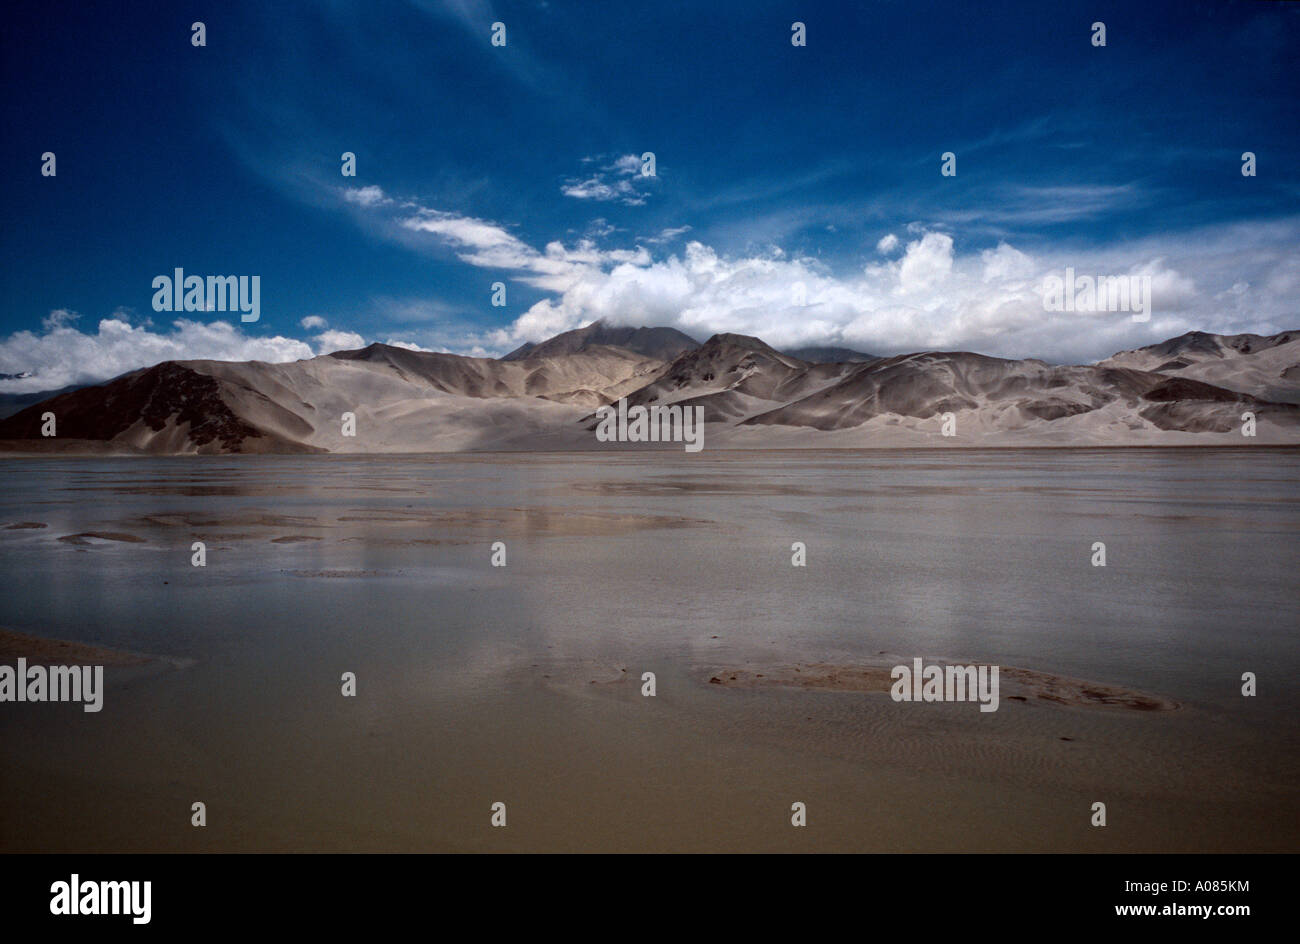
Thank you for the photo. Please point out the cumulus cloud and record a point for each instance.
(59, 318)
(327, 342)
(313, 322)
(62, 355)
(933, 297)
(929, 293)
(926, 264)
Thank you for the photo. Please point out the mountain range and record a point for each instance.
(1189, 390)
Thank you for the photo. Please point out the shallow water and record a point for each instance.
(522, 683)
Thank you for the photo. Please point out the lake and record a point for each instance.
(522, 684)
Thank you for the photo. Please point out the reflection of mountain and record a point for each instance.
(1188, 390)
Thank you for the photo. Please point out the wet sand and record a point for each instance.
(1017, 685)
(40, 651)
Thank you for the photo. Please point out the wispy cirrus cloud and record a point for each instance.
(620, 180)
(1023, 205)
(668, 234)
(489, 245)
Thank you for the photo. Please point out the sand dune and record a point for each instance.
(1191, 390)
(1265, 367)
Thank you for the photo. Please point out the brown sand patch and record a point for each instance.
(245, 519)
(541, 521)
(560, 522)
(451, 526)
(62, 652)
(1018, 685)
(294, 538)
(810, 675)
(579, 675)
(93, 538)
(332, 574)
(1056, 689)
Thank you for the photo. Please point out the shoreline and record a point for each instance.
(12, 449)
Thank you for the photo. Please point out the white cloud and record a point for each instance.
(935, 298)
(327, 342)
(669, 234)
(59, 318)
(925, 265)
(615, 181)
(312, 322)
(1027, 205)
(596, 188)
(1005, 262)
(366, 196)
(932, 296)
(600, 227)
(489, 245)
(626, 164)
(62, 355)
(478, 242)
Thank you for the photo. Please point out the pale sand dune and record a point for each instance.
(1265, 367)
(1192, 390)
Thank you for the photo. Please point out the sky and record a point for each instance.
(797, 193)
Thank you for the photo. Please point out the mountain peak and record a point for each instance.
(829, 354)
(737, 340)
(370, 352)
(659, 343)
(419, 401)
(727, 344)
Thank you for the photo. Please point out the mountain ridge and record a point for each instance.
(1188, 390)
(662, 343)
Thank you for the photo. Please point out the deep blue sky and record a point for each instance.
(225, 160)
